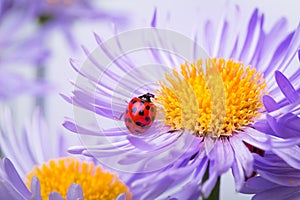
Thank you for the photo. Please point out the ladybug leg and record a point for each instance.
(120, 117)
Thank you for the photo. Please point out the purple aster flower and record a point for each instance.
(207, 104)
(41, 169)
(279, 174)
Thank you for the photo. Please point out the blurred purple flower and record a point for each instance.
(14, 85)
(279, 176)
(17, 36)
(18, 49)
(30, 177)
(178, 153)
(62, 14)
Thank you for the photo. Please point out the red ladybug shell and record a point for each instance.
(140, 114)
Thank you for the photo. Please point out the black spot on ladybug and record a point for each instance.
(134, 109)
(137, 131)
(147, 107)
(128, 128)
(147, 119)
(152, 109)
(141, 113)
(129, 120)
(138, 123)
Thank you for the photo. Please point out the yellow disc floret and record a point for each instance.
(58, 175)
(208, 102)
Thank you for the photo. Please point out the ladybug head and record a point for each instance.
(146, 97)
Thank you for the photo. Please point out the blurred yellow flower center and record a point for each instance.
(216, 98)
(58, 175)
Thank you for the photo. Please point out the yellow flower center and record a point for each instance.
(217, 100)
(57, 176)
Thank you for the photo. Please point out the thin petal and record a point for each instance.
(14, 177)
(286, 87)
(270, 104)
(243, 155)
(35, 189)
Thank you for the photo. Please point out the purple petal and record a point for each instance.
(192, 190)
(250, 34)
(139, 143)
(291, 51)
(263, 143)
(238, 174)
(55, 196)
(286, 87)
(263, 126)
(224, 38)
(209, 32)
(71, 126)
(209, 184)
(10, 193)
(288, 178)
(222, 155)
(278, 193)
(269, 45)
(76, 149)
(75, 192)
(14, 177)
(242, 155)
(257, 184)
(289, 155)
(35, 189)
(153, 21)
(279, 53)
(290, 120)
(280, 129)
(270, 104)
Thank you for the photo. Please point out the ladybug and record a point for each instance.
(140, 114)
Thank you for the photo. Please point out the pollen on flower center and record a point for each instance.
(187, 102)
(58, 175)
